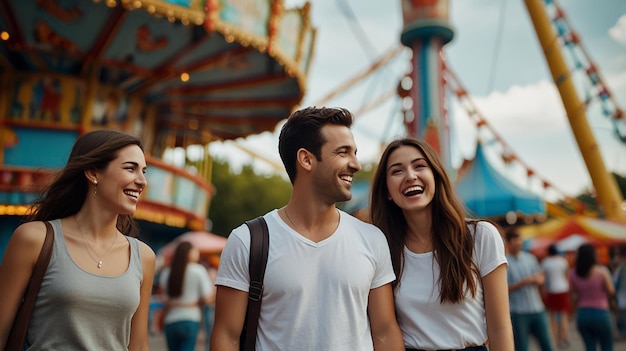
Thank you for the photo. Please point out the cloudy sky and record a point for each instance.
(496, 56)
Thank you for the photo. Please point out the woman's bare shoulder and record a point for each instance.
(29, 235)
(147, 254)
(25, 245)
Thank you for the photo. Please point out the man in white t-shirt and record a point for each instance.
(327, 282)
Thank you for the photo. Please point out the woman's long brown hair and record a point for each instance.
(453, 243)
(586, 258)
(178, 269)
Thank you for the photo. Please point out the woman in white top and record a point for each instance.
(451, 289)
(555, 268)
(187, 288)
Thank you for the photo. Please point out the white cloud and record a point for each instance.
(522, 108)
(618, 31)
(617, 81)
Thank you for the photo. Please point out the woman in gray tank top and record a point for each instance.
(95, 294)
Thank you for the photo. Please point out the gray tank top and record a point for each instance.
(76, 310)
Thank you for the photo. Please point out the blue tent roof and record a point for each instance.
(486, 193)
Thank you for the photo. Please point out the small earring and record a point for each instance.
(95, 187)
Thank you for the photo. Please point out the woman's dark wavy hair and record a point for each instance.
(68, 191)
(585, 259)
(302, 130)
(453, 244)
(178, 269)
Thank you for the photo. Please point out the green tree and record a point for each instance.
(590, 200)
(621, 183)
(244, 195)
(366, 173)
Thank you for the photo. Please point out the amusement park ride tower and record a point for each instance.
(426, 30)
(609, 198)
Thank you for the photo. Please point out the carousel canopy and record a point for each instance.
(210, 69)
(571, 232)
(593, 229)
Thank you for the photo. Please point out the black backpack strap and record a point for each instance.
(259, 248)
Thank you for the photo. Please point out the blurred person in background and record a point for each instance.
(187, 289)
(555, 268)
(591, 288)
(528, 312)
(208, 312)
(619, 277)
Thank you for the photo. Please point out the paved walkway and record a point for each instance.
(576, 343)
(157, 342)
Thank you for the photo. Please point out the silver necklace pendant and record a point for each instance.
(89, 248)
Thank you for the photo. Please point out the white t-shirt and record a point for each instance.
(428, 324)
(315, 294)
(555, 270)
(196, 284)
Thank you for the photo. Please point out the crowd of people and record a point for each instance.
(417, 275)
(556, 292)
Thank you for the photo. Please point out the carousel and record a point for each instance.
(177, 73)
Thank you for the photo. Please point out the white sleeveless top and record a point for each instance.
(77, 310)
(196, 285)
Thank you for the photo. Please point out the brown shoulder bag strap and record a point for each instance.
(17, 335)
(259, 248)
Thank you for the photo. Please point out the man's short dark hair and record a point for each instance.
(302, 130)
(553, 250)
(511, 233)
